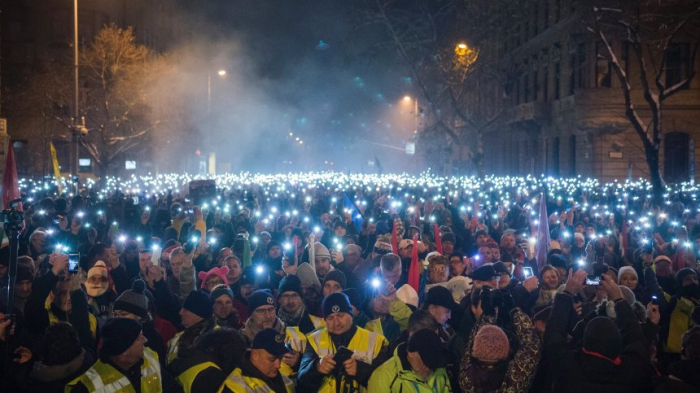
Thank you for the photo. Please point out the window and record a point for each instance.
(535, 84)
(526, 89)
(557, 79)
(581, 66)
(677, 63)
(602, 66)
(572, 74)
(545, 83)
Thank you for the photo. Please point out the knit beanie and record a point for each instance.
(134, 300)
(289, 284)
(198, 303)
(336, 302)
(24, 273)
(681, 274)
(626, 269)
(220, 272)
(308, 276)
(490, 344)
(602, 337)
(337, 276)
(118, 334)
(221, 289)
(354, 297)
(259, 298)
(320, 251)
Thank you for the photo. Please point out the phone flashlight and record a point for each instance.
(375, 283)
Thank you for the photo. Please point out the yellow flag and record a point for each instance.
(56, 170)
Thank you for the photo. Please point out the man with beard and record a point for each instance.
(292, 310)
(322, 259)
(262, 315)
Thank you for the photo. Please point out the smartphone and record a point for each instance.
(527, 272)
(342, 355)
(593, 280)
(73, 263)
(655, 300)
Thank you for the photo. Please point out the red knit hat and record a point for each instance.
(220, 272)
(490, 344)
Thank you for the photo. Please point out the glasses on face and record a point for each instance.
(438, 269)
(263, 311)
(290, 296)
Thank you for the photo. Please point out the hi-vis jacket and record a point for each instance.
(103, 378)
(239, 383)
(365, 345)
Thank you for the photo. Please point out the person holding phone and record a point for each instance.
(324, 368)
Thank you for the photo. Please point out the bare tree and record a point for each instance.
(118, 80)
(663, 38)
(440, 41)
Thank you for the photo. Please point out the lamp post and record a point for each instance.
(221, 73)
(76, 129)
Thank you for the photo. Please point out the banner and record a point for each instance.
(56, 169)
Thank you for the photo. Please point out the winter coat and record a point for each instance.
(53, 379)
(396, 375)
(517, 374)
(579, 372)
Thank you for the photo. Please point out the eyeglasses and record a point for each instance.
(438, 269)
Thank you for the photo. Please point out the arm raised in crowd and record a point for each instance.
(636, 345)
(521, 370)
(35, 308)
(557, 328)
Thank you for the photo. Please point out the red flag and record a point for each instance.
(394, 240)
(10, 184)
(413, 271)
(438, 240)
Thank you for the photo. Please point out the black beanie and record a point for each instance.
(289, 284)
(118, 334)
(338, 276)
(199, 303)
(24, 273)
(680, 275)
(602, 337)
(336, 302)
(259, 298)
(354, 297)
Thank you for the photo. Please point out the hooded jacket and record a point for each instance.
(50, 379)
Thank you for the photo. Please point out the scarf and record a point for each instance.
(291, 318)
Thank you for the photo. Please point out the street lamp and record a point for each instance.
(415, 110)
(221, 73)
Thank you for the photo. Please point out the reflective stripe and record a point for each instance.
(102, 377)
(239, 383)
(172, 348)
(95, 378)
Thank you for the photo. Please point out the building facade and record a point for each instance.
(562, 108)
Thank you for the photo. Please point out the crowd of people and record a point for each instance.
(336, 283)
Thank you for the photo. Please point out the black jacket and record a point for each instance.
(578, 372)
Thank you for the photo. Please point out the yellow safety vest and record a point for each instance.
(365, 345)
(104, 378)
(375, 326)
(186, 379)
(93, 322)
(239, 383)
(317, 321)
(172, 348)
(297, 340)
